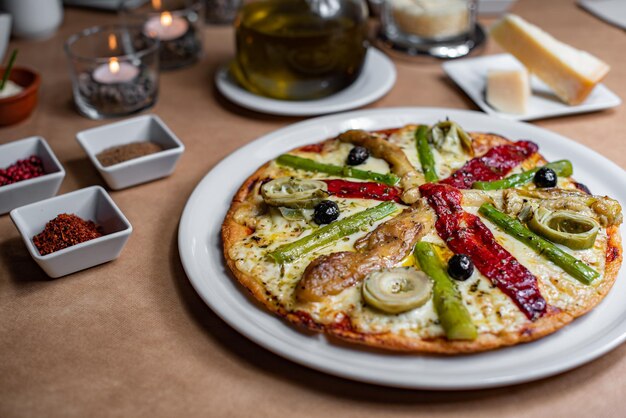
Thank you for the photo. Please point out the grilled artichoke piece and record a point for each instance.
(397, 290)
(565, 227)
(448, 137)
(609, 211)
(293, 193)
(605, 210)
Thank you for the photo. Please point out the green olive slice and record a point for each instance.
(294, 193)
(397, 290)
(566, 227)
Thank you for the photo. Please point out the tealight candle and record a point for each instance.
(115, 72)
(175, 24)
(166, 26)
(114, 69)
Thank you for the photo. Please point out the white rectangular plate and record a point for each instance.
(471, 75)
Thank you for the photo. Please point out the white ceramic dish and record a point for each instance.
(376, 79)
(28, 191)
(494, 7)
(34, 19)
(92, 203)
(201, 254)
(611, 11)
(471, 75)
(138, 170)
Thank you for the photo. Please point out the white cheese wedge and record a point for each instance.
(570, 72)
(508, 90)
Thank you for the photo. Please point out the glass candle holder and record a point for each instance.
(114, 70)
(176, 24)
(221, 12)
(438, 28)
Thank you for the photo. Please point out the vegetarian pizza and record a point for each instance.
(423, 238)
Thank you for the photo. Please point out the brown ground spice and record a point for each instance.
(121, 153)
(64, 231)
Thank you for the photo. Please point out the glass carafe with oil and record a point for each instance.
(300, 49)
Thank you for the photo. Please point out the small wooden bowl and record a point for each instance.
(14, 109)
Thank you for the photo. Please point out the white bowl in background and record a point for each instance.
(31, 190)
(5, 33)
(138, 170)
(91, 203)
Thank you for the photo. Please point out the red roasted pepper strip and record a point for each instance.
(494, 165)
(363, 190)
(316, 148)
(466, 233)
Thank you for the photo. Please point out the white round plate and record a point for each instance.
(376, 79)
(201, 252)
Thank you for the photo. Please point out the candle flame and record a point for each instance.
(156, 4)
(112, 42)
(114, 66)
(166, 19)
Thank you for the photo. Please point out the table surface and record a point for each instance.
(132, 338)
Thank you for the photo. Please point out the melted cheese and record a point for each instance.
(271, 232)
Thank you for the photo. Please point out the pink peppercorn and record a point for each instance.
(25, 169)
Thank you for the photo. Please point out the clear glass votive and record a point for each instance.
(114, 70)
(176, 23)
(439, 28)
(222, 12)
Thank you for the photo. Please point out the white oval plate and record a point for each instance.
(201, 253)
(376, 79)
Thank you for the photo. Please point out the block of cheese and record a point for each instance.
(508, 90)
(570, 72)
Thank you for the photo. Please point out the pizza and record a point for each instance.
(425, 239)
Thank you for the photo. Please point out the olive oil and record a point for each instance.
(300, 49)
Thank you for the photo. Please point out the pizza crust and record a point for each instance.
(554, 319)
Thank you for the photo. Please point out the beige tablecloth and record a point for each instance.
(132, 338)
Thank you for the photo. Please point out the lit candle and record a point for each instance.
(166, 26)
(115, 72)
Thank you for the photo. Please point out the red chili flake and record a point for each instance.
(25, 169)
(64, 231)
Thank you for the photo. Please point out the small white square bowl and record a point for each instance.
(27, 191)
(91, 203)
(138, 170)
